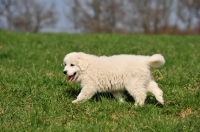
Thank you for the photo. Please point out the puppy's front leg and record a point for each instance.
(85, 94)
(118, 95)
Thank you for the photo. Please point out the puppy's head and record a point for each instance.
(74, 64)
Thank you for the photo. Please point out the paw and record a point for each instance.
(160, 99)
(121, 100)
(79, 101)
(141, 103)
(75, 101)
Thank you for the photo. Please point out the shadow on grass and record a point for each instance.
(149, 100)
(98, 97)
(73, 93)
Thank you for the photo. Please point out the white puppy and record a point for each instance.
(114, 74)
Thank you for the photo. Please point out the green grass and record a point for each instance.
(35, 96)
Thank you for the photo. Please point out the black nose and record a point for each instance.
(65, 72)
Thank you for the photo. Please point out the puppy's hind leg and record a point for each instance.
(137, 90)
(156, 91)
(84, 95)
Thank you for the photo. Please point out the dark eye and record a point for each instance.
(64, 64)
(72, 65)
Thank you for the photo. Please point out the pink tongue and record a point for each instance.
(70, 78)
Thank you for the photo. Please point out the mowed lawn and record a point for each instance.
(35, 96)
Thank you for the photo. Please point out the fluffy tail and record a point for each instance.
(156, 60)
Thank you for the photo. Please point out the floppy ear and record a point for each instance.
(82, 63)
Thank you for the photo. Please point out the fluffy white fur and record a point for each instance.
(114, 74)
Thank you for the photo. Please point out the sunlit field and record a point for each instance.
(35, 96)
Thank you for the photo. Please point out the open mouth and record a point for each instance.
(71, 78)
